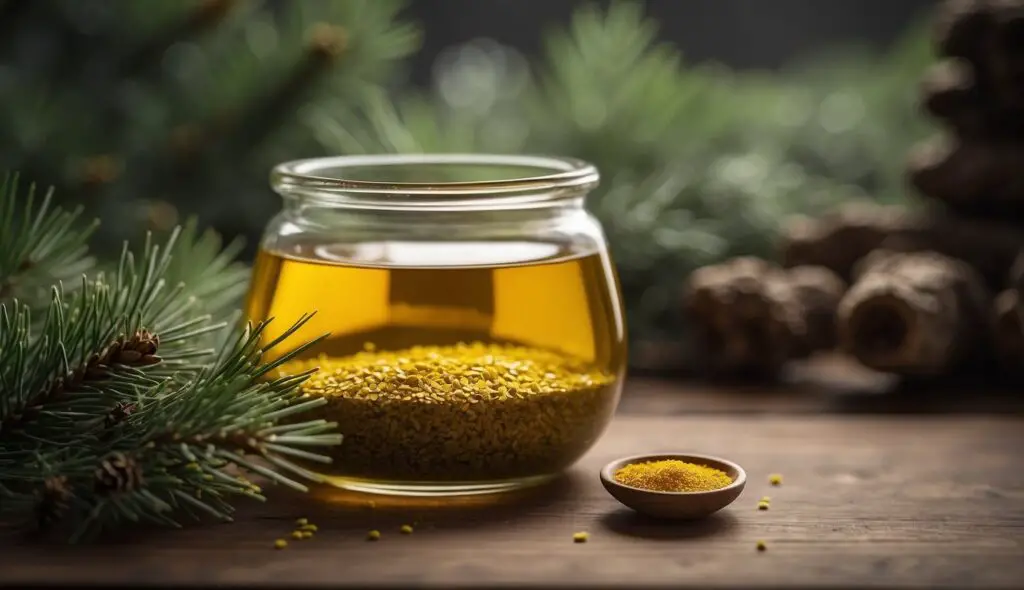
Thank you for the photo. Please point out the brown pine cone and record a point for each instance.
(971, 176)
(961, 27)
(750, 316)
(52, 501)
(118, 473)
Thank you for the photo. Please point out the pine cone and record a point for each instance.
(751, 317)
(118, 473)
(915, 313)
(52, 501)
(980, 90)
(1006, 52)
(961, 27)
(971, 176)
(118, 414)
(138, 350)
(949, 91)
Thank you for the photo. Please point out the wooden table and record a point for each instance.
(898, 501)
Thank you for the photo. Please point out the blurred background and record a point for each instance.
(742, 34)
(713, 122)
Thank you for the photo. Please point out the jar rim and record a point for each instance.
(332, 179)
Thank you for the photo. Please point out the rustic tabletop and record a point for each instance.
(867, 499)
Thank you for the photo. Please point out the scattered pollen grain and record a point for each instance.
(406, 529)
(580, 537)
(373, 535)
(280, 544)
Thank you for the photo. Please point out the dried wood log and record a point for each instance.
(838, 239)
(919, 314)
(750, 316)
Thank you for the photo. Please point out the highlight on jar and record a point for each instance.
(476, 335)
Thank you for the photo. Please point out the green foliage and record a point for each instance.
(134, 105)
(137, 110)
(699, 163)
(124, 401)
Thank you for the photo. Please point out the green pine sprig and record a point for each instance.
(127, 401)
(39, 245)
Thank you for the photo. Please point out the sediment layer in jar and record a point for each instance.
(469, 412)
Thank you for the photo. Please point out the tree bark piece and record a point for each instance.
(751, 316)
(920, 314)
(839, 239)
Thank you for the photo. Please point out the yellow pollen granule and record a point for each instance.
(672, 475)
(580, 537)
(465, 411)
(762, 505)
(280, 544)
(301, 522)
(297, 535)
(373, 535)
(765, 499)
(775, 479)
(309, 527)
(761, 546)
(406, 529)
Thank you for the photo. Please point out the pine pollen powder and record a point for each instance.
(463, 412)
(672, 475)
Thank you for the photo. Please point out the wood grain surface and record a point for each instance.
(922, 502)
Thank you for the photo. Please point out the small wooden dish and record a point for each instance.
(675, 505)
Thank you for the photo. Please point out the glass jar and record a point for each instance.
(476, 338)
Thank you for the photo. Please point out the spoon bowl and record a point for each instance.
(675, 505)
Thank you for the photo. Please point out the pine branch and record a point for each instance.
(177, 451)
(203, 16)
(96, 346)
(39, 245)
(325, 46)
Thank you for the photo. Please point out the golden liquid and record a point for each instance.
(397, 295)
